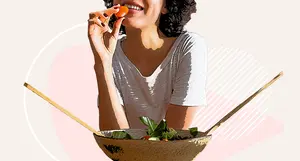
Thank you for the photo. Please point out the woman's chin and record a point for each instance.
(131, 23)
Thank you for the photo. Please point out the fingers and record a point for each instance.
(117, 26)
(105, 15)
(98, 21)
(99, 15)
(96, 24)
(112, 10)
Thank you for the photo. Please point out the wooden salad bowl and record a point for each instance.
(146, 150)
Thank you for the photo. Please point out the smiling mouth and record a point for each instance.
(134, 7)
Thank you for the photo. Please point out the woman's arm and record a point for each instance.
(103, 44)
(180, 117)
(111, 113)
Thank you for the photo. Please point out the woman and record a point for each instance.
(156, 69)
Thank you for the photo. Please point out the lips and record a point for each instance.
(133, 5)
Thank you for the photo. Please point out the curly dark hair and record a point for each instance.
(172, 23)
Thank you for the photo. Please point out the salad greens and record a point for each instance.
(194, 131)
(121, 135)
(156, 132)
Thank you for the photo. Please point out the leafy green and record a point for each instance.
(170, 134)
(120, 135)
(194, 131)
(165, 135)
(150, 123)
(162, 131)
(156, 132)
(162, 127)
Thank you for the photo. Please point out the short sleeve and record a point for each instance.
(189, 88)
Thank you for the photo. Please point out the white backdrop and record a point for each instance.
(267, 30)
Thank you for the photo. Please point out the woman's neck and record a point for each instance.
(149, 38)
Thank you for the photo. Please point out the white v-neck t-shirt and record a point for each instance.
(180, 80)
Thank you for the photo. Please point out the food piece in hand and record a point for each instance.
(122, 12)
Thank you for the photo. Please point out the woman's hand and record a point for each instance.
(103, 40)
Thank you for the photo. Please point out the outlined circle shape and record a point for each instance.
(26, 79)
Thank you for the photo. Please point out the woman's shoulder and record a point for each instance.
(192, 41)
(193, 37)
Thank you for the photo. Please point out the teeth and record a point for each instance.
(133, 7)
